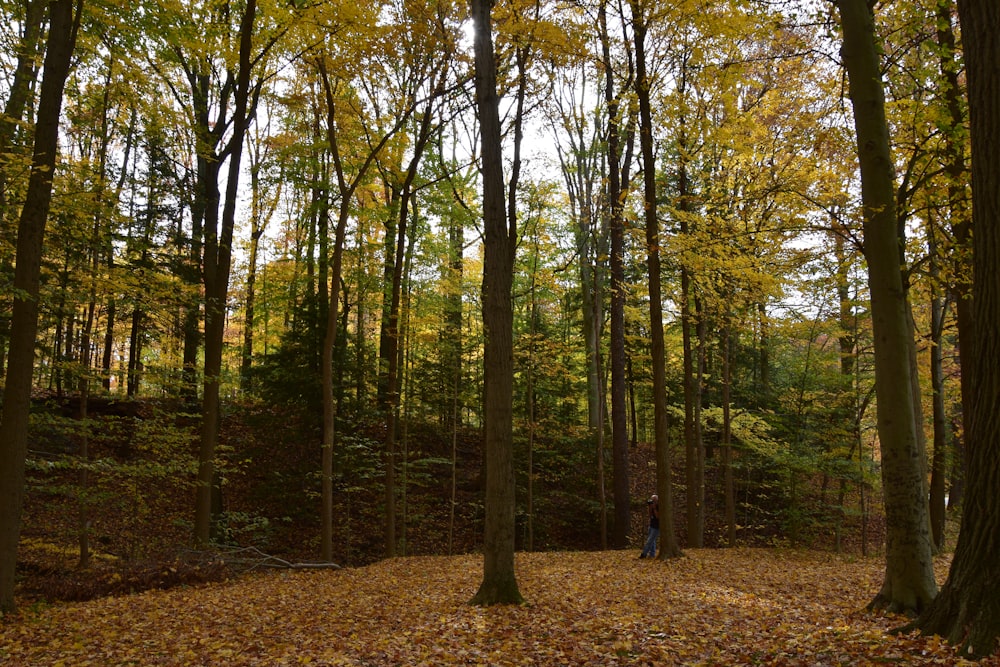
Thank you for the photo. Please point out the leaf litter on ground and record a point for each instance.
(710, 607)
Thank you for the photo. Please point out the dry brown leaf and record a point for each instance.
(712, 607)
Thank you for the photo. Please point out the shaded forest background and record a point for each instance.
(141, 503)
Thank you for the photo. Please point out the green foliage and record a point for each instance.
(139, 468)
(290, 374)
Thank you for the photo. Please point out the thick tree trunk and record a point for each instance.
(63, 27)
(499, 585)
(909, 579)
(967, 612)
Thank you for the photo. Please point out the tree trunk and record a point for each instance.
(107, 357)
(330, 404)
(953, 129)
(217, 265)
(763, 358)
(17, 100)
(499, 585)
(529, 383)
(261, 211)
(909, 579)
(204, 210)
(728, 484)
(967, 612)
(692, 445)
(938, 509)
(668, 547)
(616, 224)
(451, 334)
(391, 332)
(846, 342)
(63, 27)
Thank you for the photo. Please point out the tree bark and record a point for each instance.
(261, 209)
(63, 28)
(499, 585)
(938, 510)
(967, 612)
(909, 584)
(17, 100)
(668, 547)
(728, 484)
(954, 129)
(579, 171)
(330, 404)
(694, 473)
(217, 266)
(616, 224)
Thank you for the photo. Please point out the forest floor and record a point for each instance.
(710, 607)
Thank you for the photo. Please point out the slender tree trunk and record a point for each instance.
(335, 340)
(17, 102)
(616, 223)
(580, 169)
(846, 342)
(499, 583)
(262, 208)
(692, 446)
(701, 330)
(530, 392)
(110, 309)
(953, 129)
(218, 262)
(330, 404)
(633, 412)
(909, 580)
(391, 334)
(938, 472)
(204, 212)
(451, 338)
(135, 366)
(763, 357)
(728, 484)
(63, 27)
(83, 385)
(668, 547)
(83, 381)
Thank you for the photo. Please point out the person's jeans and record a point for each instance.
(649, 550)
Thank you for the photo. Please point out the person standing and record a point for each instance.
(653, 536)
